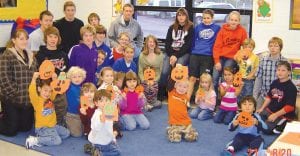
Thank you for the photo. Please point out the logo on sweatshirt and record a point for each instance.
(206, 34)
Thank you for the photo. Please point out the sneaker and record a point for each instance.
(31, 141)
(88, 148)
(275, 131)
(96, 152)
(227, 152)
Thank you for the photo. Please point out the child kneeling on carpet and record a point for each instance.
(180, 124)
(48, 132)
(248, 124)
(101, 134)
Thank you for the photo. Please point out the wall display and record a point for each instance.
(30, 9)
(295, 14)
(117, 7)
(295, 63)
(263, 10)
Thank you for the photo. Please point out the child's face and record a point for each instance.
(108, 76)
(205, 84)
(94, 21)
(70, 12)
(249, 47)
(123, 40)
(88, 38)
(181, 87)
(21, 41)
(151, 44)
(119, 83)
(100, 59)
(181, 18)
(46, 21)
(89, 94)
(102, 102)
(100, 37)
(131, 84)
(52, 40)
(274, 49)
(282, 72)
(228, 76)
(45, 92)
(128, 55)
(77, 79)
(233, 21)
(248, 107)
(207, 19)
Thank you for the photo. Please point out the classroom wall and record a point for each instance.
(261, 32)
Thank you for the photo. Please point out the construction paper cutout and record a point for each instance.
(179, 73)
(46, 70)
(61, 84)
(149, 75)
(245, 119)
(84, 102)
(139, 89)
(110, 112)
(237, 79)
(201, 92)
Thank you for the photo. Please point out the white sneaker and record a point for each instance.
(31, 141)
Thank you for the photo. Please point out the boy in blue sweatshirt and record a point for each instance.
(125, 64)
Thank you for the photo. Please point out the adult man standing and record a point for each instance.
(69, 27)
(36, 38)
(125, 23)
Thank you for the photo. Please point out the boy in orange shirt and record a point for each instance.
(180, 123)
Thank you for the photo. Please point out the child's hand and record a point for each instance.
(260, 110)
(235, 122)
(102, 118)
(272, 117)
(123, 95)
(82, 111)
(173, 60)
(218, 66)
(35, 75)
(141, 95)
(54, 76)
(255, 121)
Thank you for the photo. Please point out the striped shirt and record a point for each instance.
(229, 100)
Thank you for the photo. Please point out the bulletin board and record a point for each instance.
(27, 9)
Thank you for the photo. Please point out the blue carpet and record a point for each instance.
(153, 142)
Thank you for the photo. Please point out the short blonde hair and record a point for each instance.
(276, 40)
(88, 86)
(76, 70)
(248, 41)
(207, 77)
(234, 13)
(87, 28)
(129, 48)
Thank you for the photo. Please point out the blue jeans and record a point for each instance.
(225, 62)
(224, 116)
(247, 89)
(112, 149)
(201, 114)
(166, 70)
(51, 136)
(130, 121)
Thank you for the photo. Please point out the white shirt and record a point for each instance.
(36, 39)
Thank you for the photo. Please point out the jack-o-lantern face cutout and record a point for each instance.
(110, 112)
(149, 74)
(179, 73)
(46, 69)
(201, 92)
(245, 119)
(84, 102)
(61, 84)
(237, 79)
(139, 89)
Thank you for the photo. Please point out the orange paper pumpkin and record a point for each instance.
(110, 89)
(201, 92)
(237, 80)
(110, 112)
(84, 102)
(139, 89)
(46, 69)
(245, 119)
(179, 73)
(61, 84)
(149, 74)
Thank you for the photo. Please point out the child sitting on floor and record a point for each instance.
(47, 131)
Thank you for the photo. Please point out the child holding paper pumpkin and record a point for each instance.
(229, 93)
(77, 76)
(132, 103)
(47, 131)
(205, 99)
(248, 64)
(101, 135)
(180, 124)
(248, 124)
(87, 107)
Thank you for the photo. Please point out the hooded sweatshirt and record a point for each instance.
(228, 42)
(133, 28)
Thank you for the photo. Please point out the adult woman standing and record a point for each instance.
(17, 66)
(178, 44)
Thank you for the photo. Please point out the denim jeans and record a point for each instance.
(225, 62)
(224, 116)
(201, 114)
(247, 89)
(51, 136)
(130, 121)
(112, 149)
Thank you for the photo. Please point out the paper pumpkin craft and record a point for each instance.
(201, 92)
(179, 73)
(237, 79)
(61, 84)
(139, 89)
(84, 102)
(245, 119)
(46, 69)
(149, 75)
(110, 112)
(110, 89)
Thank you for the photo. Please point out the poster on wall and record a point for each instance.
(117, 7)
(263, 11)
(12, 9)
(295, 14)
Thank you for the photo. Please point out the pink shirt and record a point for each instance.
(229, 100)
